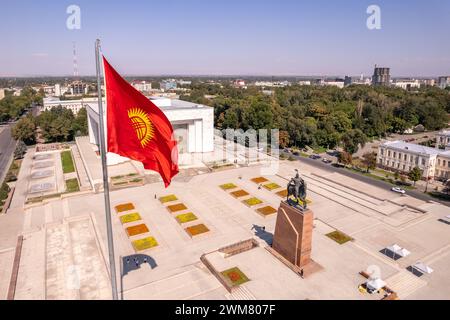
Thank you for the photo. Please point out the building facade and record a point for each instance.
(193, 126)
(407, 84)
(168, 85)
(443, 139)
(403, 157)
(73, 105)
(381, 76)
(443, 82)
(142, 86)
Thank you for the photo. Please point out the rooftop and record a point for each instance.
(161, 102)
(444, 133)
(401, 145)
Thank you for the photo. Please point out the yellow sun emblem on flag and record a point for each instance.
(142, 125)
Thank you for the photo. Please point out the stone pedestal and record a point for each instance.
(293, 234)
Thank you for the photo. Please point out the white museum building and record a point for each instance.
(193, 126)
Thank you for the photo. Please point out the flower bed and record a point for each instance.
(239, 193)
(177, 207)
(235, 276)
(131, 217)
(168, 198)
(124, 207)
(339, 237)
(135, 230)
(259, 180)
(228, 186)
(271, 186)
(186, 217)
(266, 211)
(144, 243)
(252, 201)
(282, 193)
(196, 230)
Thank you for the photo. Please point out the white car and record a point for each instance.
(399, 190)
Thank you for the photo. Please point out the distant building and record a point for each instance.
(73, 105)
(428, 82)
(407, 84)
(168, 85)
(332, 82)
(193, 126)
(443, 82)
(443, 139)
(348, 81)
(58, 92)
(2, 93)
(142, 86)
(239, 83)
(304, 83)
(184, 82)
(78, 88)
(381, 76)
(271, 83)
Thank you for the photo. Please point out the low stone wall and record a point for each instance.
(217, 274)
(239, 247)
(15, 269)
(8, 200)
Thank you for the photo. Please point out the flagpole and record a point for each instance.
(105, 174)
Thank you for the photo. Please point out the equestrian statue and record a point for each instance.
(297, 188)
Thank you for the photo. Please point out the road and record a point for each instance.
(381, 184)
(7, 146)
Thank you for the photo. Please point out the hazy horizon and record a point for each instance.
(233, 38)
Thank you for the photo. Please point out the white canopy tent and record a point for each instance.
(397, 250)
(422, 267)
(375, 284)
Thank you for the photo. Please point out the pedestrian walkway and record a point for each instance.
(83, 178)
(63, 260)
(404, 283)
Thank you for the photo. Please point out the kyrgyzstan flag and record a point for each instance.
(137, 128)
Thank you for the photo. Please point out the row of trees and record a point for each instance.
(55, 125)
(12, 107)
(326, 116)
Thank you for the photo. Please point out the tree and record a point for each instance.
(79, 125)
(352, 139)
(415, 174)
(283, 139)
(24, 130)
(20, 151)
(396, 175)
(370, 160)
(447, 187)
(4, 190)
(345, 158)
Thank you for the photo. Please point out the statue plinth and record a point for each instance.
(293, 234)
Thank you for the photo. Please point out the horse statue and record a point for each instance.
(297, 188)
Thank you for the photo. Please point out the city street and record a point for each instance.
(7, 146)
(378, 183)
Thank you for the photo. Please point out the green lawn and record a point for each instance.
(320, 150)
(67, 162)
(72, 185)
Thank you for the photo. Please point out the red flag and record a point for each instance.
(137, 128)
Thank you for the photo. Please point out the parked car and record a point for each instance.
(399, 190)
(325, 160)
(315, 156)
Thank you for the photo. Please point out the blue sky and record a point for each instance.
(259, 37)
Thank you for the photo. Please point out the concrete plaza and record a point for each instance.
(64, 247)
